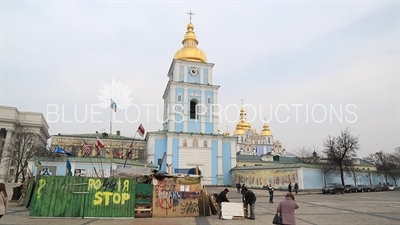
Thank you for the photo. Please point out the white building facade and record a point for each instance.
(12, 123)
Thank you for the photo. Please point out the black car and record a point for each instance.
(348, 188)
(333, 188)
(363, 188)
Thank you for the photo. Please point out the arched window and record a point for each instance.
(195, 143)
(193, 104)
(184, 143)
(205, 144)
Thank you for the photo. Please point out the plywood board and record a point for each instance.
(232, 210)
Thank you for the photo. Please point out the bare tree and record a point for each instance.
(340, 152)
(394, 165)
(355, 174)
(382, 162)
(307, 155)
(26, 146)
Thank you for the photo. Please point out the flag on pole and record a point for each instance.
(130, 149)
(100, 144)
(141, 130)
(61, 151)
(68, 170)
(113, 106)
(38, 163)
(97, 149)
(86, 148)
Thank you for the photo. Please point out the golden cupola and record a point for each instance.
(189, 51)
(242, 125)
(266, 131)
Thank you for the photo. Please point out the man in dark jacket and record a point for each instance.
(222, 198)
(250, 198)
(271, 193)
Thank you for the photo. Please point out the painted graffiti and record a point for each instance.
(189, 208)
(169, 195)
(109, 190)
(42, 183)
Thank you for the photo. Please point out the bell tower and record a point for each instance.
(190, 98)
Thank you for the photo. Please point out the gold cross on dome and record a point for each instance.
(190, 15)
(242, 101)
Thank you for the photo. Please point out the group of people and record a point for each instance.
(285, 208)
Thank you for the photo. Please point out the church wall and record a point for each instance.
(378, 178)
(194, 126)
(205, 75)
(226, 162)
(181, 76)
(178, 123)
(313, 178)
(179, 92)
(278, 178)
(175, 152)
(214, 161)
(335, 178)
(160, 146)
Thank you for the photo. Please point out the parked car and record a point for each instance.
(362, 188)
(376, 188)
(349, 188)
(393, 187)
(385, 188)
(333, 188)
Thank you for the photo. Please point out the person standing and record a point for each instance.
(296, 187)
(250, 199)
(271, 193)
(286, 209)
(290, 187)
(222, 198)
(238, 186)
(3, 200)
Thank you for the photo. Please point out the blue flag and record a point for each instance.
(62, 151)
(113, 106)
(68, 170)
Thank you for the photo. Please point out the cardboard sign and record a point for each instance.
(232, 210)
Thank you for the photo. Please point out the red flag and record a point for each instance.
(86, 148)
(141, 130)
(100, 143)
(97, 149)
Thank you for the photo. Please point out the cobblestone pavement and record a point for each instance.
(378, 208)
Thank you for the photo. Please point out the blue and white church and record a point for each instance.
(190, 136)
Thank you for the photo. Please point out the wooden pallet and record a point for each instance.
(143, 211)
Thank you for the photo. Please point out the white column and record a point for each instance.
(171, 108)
(4, 164)
(233, 153)
(185, 109)
(215, 110)
(150, 148)
(220, 174)
(203, 111)
(169, 149)
(300, 178)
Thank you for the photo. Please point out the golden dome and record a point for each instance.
(189, 51)
(242, 125)
(239, 130)
(266, 131)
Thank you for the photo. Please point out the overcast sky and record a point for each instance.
(59, 57)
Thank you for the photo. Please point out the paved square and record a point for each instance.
(375, 208)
